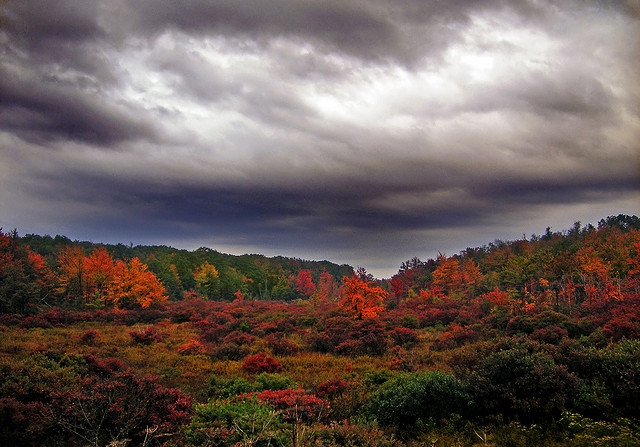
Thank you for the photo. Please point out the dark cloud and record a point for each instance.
(364, 132)
(42, 110)
(354, 27)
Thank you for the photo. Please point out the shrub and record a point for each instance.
(260, 363)
(24, 424)
(414, 399)
(127, 406)
(330, 388)
(623, 326)
(90, 337)
(239, 338)
(213, 333)
(346, 433)
(230, 351)
(145, 336)
(193, 347)
(619, 371)
(36, 321)
(295, 405)
(63, 399)
(233, 423)
(455, 337)
(585, 432)
(525, 386)
(551, 334)
(403, 336)
(226, 388)
(281, 346)
(266, 381)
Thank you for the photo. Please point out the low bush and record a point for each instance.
(261, 363)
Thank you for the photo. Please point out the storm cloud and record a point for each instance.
(362, 132)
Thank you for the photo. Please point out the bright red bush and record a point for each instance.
(295, 405)
(260, 363)
(330, 388)
(194, 347)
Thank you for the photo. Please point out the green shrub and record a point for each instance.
(224, 388)
(267, 381)
(412, 400)
(523, 386)
(242, 422)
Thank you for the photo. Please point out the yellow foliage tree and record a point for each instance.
(207, 278)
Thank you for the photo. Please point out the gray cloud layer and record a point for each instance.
(364, 132)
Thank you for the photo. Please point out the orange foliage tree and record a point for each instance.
(71, 272)
(98, 269)
(133, 285)
(456, 277)
(447, 274)
(361, 298)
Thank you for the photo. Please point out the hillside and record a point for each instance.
(527, 342)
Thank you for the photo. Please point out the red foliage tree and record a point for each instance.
(304, 283)
(327, 287)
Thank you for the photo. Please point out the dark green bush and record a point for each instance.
(412, 400)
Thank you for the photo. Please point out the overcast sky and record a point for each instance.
(361, 132)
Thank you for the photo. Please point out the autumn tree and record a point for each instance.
(470, 277)
(361, 298)
(71, 277)
(25, 278)
(457, 277)
(134, 286)
(304, 283)
(98, 269)
(327, 287)
(208, 281)
(447, 274)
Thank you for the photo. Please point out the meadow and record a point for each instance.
(522, 343)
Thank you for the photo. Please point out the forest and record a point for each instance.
(527, 342)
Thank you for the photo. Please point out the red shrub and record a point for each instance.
(622, 326)
(295, 405)
(456, 336)
(403, 336)
(261, 363)
(281, 346)
(145, 336)
(104, 367)
(239, 338)
(90, 337)
(214, 333)
(34, 321)
(194, 347)
(330, 388)
(550, 334)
